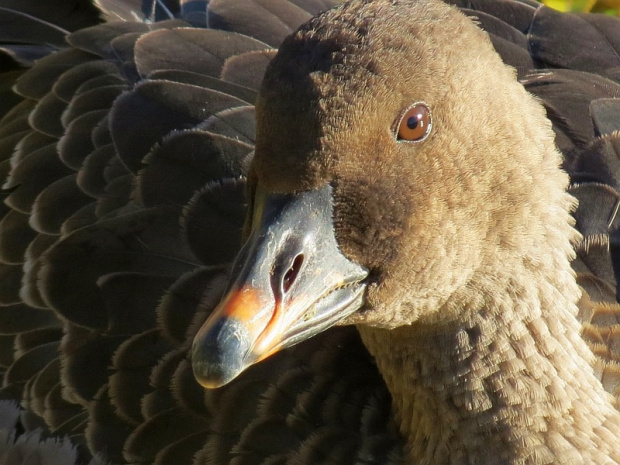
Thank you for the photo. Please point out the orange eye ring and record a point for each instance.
(415, 123)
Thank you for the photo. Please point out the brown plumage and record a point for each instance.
(126, 164)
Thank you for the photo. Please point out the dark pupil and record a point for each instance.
(412, 122)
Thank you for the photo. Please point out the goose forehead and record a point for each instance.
(345, 75)
(347, 49)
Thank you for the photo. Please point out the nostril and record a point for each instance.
(291, 274)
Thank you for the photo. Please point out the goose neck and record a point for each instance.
(511, 381)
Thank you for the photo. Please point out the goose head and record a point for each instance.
(398, 165)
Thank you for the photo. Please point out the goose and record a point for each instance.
(422, 210)
(434, 216)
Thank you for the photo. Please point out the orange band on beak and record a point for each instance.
(263, 322)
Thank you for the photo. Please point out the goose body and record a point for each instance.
(476, 324)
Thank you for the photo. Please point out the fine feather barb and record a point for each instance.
(15, 127)
(68, 15)
(208, 82)
(519, 14)
(215, 213)
(551, 44)
(15, 236)
(39, 80)
(606, 116)
(46, 117)
(171, 425)
(177, 49)
(10, 276)
(55, 204)
(196, 292)
(34, 174)
(28, 145)
(90, 177)
(133, 362)
(279, 18)
(76, 144)
(68, 84)
(144, 116)
(41, 385)
(215, 157)
(247, 69)
(30, 363)
(97, 40)
(21, 27)
(100, 98)
(236, 123)
(146, 241)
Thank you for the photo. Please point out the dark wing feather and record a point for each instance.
(10, 276)
(247, 68)
(90, 178)
(70, 82)
(65, 14)
(208, 82)
(32, 175)
(143, 117)
(178, 48)
(553, 43)
(189, 160)
(39, 80)
(20, 27)
(16, 229)
(605, 115)
(269, 21)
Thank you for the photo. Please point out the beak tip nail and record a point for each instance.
(220, 352)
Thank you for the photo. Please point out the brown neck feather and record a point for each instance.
(508, 380)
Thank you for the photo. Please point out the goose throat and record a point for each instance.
(512, 382)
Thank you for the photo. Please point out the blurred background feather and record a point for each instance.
(609, 7)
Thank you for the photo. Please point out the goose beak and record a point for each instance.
(290, 281)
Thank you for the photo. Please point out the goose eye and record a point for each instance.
(415, 124)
